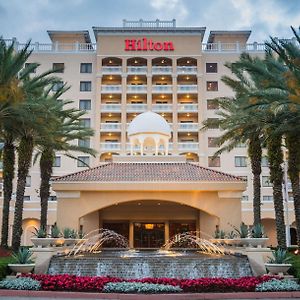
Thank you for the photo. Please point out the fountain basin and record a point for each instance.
(132, 264)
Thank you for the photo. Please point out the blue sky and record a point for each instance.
(25, 19)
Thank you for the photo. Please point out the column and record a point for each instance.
(131, 234)
(167, 231)
(149, 84)
(123, 108)
(175, 110)
(95, 142)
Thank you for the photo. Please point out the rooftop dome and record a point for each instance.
(149, 122)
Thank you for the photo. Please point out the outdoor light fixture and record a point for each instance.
(135, 96)
(135, 61)
(187, 115)
(188, 96)
(187, 77)
(149, 226)
(110, 77)
(135, 78)
(109, 134)
(163, 96)
(187, 61)
(110, 62)
(163, 78)
(109, 115)
(110, 96)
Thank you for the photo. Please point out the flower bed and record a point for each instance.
(201, 285)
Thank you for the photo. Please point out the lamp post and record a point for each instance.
(286, 199)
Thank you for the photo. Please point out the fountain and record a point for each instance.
(199, 258)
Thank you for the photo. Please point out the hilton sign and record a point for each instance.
(147, 45)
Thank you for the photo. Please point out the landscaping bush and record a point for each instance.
(4, 270)
(140, 288)
(295, 269)
(276, 285)
(21, 283)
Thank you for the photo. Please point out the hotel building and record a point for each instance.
(139, 67)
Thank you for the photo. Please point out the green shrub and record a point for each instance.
(40, 233)
(55, 232)
(295, 269)
(4, 270)
(257, 231)
(23, 256)
(22, 283)
(139, 288)
(69, 233)
(275, 285)
(280, 256)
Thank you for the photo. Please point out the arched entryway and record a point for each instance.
(150, 223)
(28, 227)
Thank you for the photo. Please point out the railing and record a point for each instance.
(111, 70)
(233, 47)
(188, 146)
(187, 70)
(136, 107)
(161, 70)
(136, 88)
(110, 126)
(162, 107)
(110, 146)
(188, 127)
(187, 88)
(137, 70)
(149, 24)
(162, 88)
(110, 107)
(137, 147)
(187, 107)
(112, 88)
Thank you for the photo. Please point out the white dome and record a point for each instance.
(149, 122)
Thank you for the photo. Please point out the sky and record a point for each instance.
(30, 19)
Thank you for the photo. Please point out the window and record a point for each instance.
(85, 104)
(241, 145)
(85, 123)
(266, 181)
(213, 123)
(214, 162)
(240, 161)
(57, 162)
(211, 68)
(58, 67)
(26, 198)
(213, 142)
(30, 65)
(291, 198)
(28, 181)
(245, 198)
(212, 104)
(212, 86)
(83, 161)
(57, 86)
(84, 143)
(267, 199)
(52, 198)
(85, 68)
(264, 161)
(85, 86)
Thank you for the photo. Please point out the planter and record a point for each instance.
(70, 242)
(254, 242)
(58, 242)
(218, 241)
(21, 268)
(277, 268)
(232, 242)
(42, 242)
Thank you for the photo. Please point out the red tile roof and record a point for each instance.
(148, 172)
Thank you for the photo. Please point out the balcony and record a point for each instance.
(137, 148)
(136, 107)
(111, 70)
(110, 126)
(186, 88)
(186, 70)
(233, 47)
(162, 107)
(162, 70)
(137, 70)
(112, 88)
(136, 88)
(187, 107)
(162, 88)
(110, 107)
(189, 146)
(188, 127)
(110, 146)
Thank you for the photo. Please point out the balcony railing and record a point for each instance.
(112, 88)
(162, 88)
(188, 126)
(110, 126)
(187, 107)
(188, 146)
(162, 70)
(184, 88)
(110, 146)
(111, 70)
(136, 107)
(233, 47)
(137, 148)
(162, 107)
(110, 108)
(137, 88)
(187, 70)
(137, 70)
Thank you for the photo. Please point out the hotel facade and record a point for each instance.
(169, 70)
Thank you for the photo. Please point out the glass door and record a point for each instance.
(149, 235)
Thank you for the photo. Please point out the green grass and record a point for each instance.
(4, 270)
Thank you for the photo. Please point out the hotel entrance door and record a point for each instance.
(149, 235)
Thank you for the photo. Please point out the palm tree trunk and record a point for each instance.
(293, 145)
(46, 163)
(276, 176)
(8, 176)
(255, 153)
(25, 150)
